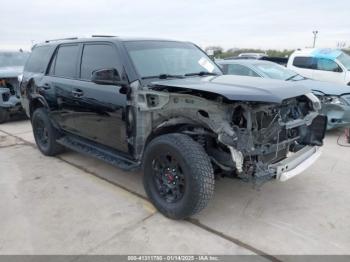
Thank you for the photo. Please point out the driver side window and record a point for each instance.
(95, 57)
(328, 65)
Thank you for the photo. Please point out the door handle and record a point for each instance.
(77, 92)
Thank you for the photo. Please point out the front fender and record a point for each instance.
(37, 100)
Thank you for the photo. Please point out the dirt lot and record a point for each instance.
(73, 204)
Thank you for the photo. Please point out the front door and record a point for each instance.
(328, 70)
(99, 111)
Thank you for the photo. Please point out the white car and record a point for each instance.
(331, 65)
(252, 55)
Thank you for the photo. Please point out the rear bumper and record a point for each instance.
(295, 163)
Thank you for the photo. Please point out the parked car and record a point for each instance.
(11, 66)
(335, 98)
(331, 65)
(164, 106)
(279, 60)
(252, 55)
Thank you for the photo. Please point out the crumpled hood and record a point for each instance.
(238, 88)
(10, 71)
(326, 87)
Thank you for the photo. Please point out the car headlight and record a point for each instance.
(314, 100)
(335, 100)
(19, 78)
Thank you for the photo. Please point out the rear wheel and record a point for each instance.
(45, 133)
(4, 115)
(178, 175)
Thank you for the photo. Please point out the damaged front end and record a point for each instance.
(255, 141)
(337, 109)
(273, 140)
(8, 96)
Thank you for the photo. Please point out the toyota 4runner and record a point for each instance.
(164, 106)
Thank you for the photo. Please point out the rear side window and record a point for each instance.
(95, 57)
(38, 60)
(305, 62)
(66, 61)
(235, 69)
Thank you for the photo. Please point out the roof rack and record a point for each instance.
(59, 39)
(103, 36)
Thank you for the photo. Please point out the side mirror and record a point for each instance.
(109, 76)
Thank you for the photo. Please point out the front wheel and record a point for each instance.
(178, 175)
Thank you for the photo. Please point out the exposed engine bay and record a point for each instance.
(244, 139)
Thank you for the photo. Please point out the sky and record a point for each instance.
(266, 24)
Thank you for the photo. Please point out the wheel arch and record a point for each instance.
(37, 102)
(172, 125)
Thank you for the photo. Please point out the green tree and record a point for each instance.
(216, 49)
(232, 52)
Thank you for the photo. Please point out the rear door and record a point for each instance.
(58, 83)
(303, 65)
(100, 109)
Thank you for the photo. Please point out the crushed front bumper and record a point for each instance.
(296, 163)
(9, 102)
(338, 115)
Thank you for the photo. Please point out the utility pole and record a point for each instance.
(315, 36)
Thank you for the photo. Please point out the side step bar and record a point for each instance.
(89, 149)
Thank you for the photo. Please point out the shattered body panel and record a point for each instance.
(338, 115)
(335, 100)
(244, 138)
(240, 88)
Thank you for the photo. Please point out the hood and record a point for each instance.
(238, 88)
(327, 88)
(10, 71)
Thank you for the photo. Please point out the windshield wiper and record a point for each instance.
(163, 76)
(201, 73)
(290, 78)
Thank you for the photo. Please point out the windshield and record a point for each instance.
(154, 58)
(345, 60)
(276, 71)
(13, 59)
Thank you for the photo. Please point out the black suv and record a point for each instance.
(166, 107)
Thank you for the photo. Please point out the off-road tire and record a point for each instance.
(4, 115)
(197, 171)
(51, 148)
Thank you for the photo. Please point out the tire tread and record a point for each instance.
(201, 169)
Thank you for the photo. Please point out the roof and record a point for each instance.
(100, 38)
(244, 61)
(319, 52)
